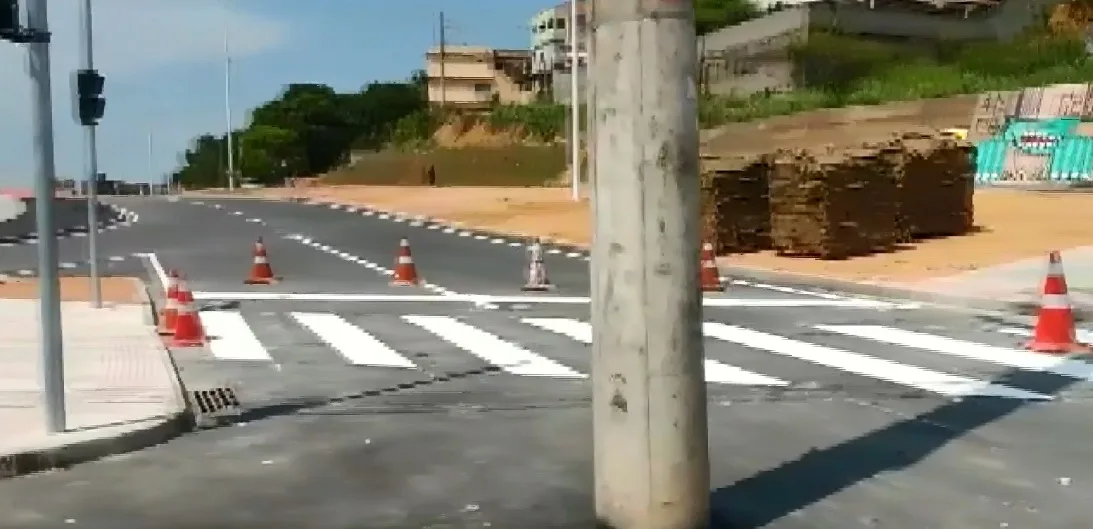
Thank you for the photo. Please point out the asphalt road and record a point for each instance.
(68, 215)
(19, 254)
(414, 414)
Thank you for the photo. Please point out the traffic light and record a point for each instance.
(9, 19)
(89, 104)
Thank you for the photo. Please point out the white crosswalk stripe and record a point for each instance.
(357, 346)
(530, 347)
(509, 357)
(868, 366)
(231, 338)
(716, 372)
(976, 351)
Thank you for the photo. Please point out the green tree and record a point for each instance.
(711, 15)
(313, 112)
(270, 153)
(311, 128)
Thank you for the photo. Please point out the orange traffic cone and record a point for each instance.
(188, 329)
(709, 275)
(169, 316)
(261, 273)
(1055, 322)
(405, 271)
(537, 273)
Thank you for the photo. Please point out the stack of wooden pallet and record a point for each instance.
(936, 187)
(832, 206)
(737, 194)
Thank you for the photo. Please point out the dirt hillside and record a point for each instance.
(839, 127)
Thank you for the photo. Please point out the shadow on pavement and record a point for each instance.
(761, 499)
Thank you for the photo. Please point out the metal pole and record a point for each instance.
(589, 92)
(574, 103)
(87, 62)
(228, 110)
(649, 399)
(151, 179)
(49, 287)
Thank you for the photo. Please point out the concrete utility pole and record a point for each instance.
(228, 109)
(649, 397)
(574, 102)
(49, 285)
(87, 62)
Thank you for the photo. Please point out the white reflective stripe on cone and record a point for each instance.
(1055, 301)
(260, 260)
(405, 259)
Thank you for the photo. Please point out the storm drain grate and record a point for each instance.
(214, 405)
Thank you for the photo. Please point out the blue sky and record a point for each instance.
(164, 63)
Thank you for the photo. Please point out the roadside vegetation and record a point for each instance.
(311, 130)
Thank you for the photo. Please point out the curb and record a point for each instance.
(570, 248)
(1022, 312)
(62, 457)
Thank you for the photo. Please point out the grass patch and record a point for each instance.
(517, 165)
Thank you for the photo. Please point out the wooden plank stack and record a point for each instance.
(936, 187)
(832, 206)
(738, 191)
(840, 204)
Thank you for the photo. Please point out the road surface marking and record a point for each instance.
(231, 338)
(546, 300)
(975, 351)
(355, 345)
(161, 273)
(868, 366)
(1084, 336)
(507, 356)
(716, 372)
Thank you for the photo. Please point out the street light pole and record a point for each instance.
(589, 92)
(574, 103)
(87, 62)
(228, 110)
(649, 398)
(49, 285)
(151, 179)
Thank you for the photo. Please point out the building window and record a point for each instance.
(559, 23)
(483, 88)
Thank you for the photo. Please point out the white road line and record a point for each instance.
(357, 346)
(158, 267)
(868, 366)
(231, 338)
(716, 372)
(507, 356)
(964, 349)
(547, 300)
(1083, 335)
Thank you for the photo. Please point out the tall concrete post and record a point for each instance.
(649, 397)
(49, 287)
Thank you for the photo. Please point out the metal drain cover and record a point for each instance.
(215, 406)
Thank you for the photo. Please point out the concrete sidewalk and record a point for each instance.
(121, 387)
